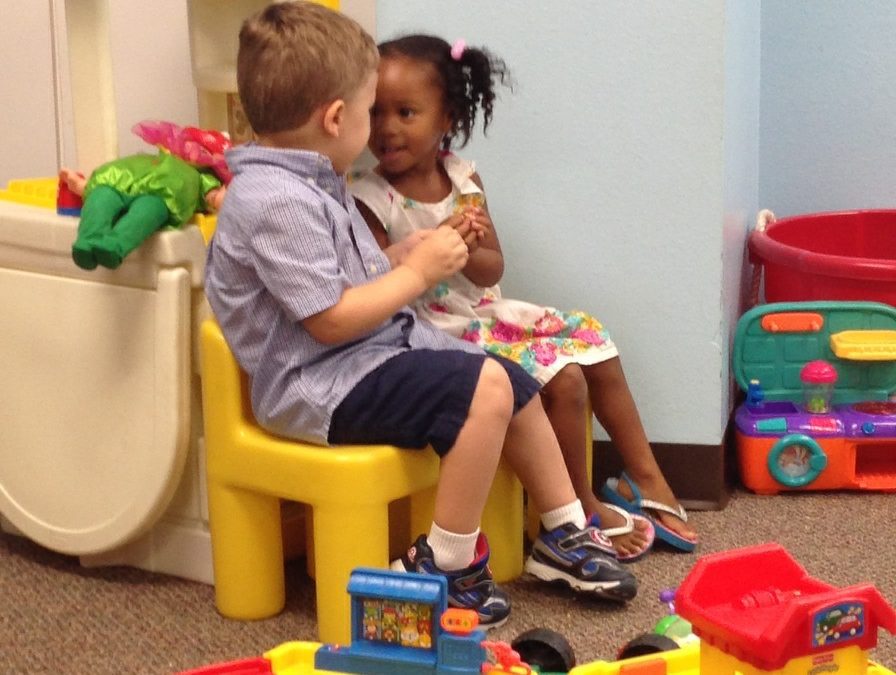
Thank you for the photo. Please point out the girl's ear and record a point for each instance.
(333, 117)
(447, 123)
(447, 131)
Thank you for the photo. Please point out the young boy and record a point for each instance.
(317, 315)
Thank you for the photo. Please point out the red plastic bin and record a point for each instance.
(848, 255)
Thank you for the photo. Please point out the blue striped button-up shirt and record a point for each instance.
(289, 241)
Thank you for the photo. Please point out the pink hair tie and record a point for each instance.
(457, 49)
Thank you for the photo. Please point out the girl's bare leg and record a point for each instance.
(565, 402)
(616, 411)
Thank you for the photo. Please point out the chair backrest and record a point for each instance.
(225, 387)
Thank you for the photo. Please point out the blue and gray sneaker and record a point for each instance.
(468, 588)
(583, 559)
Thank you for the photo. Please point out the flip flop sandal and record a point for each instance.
(640, 506)
(627, 528)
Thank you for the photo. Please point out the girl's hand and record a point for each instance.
(481, 225)
(466, 227)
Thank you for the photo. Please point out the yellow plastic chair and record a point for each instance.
(348, 490)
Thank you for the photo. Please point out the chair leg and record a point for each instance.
(346, 536)
(400, 534)
(422, 507)
(309, 541)
(247, 552)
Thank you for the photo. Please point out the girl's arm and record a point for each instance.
(397, 252)
(376, 227)
(486, 264)
(394, 252)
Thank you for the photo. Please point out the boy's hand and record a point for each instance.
(463, 224)
(398, 252)
(438, 256)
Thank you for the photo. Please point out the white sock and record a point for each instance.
(571, 513)
(452, 551)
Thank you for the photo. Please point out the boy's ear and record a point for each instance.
(333, 115)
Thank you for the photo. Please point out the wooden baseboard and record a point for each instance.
(700, 475)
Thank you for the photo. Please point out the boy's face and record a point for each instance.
(356, 126)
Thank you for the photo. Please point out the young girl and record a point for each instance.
(429, 94)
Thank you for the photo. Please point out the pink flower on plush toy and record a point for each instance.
(156, 132)
(199, 147)
(507, 332)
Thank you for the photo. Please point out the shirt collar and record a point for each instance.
(315, 168)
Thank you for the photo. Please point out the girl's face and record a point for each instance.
(409, 118)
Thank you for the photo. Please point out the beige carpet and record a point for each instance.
(56, 617)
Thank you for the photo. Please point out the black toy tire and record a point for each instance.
(545, 648)
(646, 643)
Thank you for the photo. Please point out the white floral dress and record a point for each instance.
(541, 339)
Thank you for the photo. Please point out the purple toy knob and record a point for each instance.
(667, 595)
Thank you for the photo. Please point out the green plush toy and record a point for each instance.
(128, 199)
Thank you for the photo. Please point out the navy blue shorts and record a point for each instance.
(420, 397)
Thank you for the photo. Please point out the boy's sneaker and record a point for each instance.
(584, 559)
(469, 588)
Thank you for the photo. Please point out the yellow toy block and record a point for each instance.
(31, 191)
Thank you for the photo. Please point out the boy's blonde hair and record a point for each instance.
(296, 56)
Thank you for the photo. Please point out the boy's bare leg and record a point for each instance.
(616, 411)
(532, 450)
(469, 468)
(455, 545)
(564, 399)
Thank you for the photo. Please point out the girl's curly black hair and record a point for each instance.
(468, 82)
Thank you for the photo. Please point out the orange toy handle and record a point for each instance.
(459, 621)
